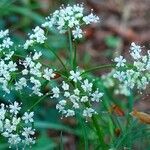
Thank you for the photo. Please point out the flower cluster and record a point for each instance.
(110, 82)
(7, 69)
(28, 73)
(70, 18)
(38, 36)
(137, 74)
(5, 41)
(78, 96)
(18, 130)
(32, 74)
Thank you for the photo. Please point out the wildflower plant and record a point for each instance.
(74, 92)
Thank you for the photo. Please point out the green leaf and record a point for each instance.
(23, 11)
(56, 126)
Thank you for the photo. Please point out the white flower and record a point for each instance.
(16, 121)
(87, 87)
(28, 141)
(77, 33)
(7, 43)
(15, 108)
(67, 94)
(14, 139)
(75, 76)
(91, 18)
(25, 72)
(36, 86)
(12, 66)
(61, 106)
(96, 96)
(56, 92)
(88, 112)
(120, 75)
(70, 113)
(4, 33)
(135, 48)
(84, 99)
(28, 43)
(135, 51)
(120, 61)
(9, 55)
(76, 92)
(63, 102)
(28, 117)
(21, 83)
(38, 35)
(28, 131)
(37, 55)
(48, 74)
(65, 86)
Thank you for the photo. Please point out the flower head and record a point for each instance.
(38, 36)
(137, 74)
(74, 98)
(70, 17)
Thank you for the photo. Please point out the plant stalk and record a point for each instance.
(99, 132)
(57, 57)
(99, 68)
(70, 47)
(38, 101)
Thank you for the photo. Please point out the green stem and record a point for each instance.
(61, 141)
(70, 47)
(99, 68)
(56, 57)
(38, 101)
(99, 132)
(75, 57)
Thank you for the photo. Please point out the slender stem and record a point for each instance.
(99, 68)
(70, 47)
(75, 57)
(36, 103)
(99, 132)
(57, 57)
(61, 141)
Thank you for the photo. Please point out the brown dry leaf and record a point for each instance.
(143, 117)
(117, 110)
